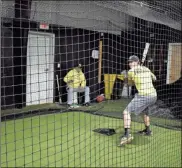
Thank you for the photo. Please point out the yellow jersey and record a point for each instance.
(142, 77)
(78, 79)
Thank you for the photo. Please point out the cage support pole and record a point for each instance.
(100, 61)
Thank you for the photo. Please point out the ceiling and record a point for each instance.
(103, 16)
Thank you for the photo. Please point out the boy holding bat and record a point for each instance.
(142, 77)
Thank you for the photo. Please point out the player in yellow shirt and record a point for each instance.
(143, 79)
(76, 82)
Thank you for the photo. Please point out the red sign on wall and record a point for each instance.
(44, 26)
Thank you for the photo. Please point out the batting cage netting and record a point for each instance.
(91, 83)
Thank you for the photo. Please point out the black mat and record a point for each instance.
(105, 131)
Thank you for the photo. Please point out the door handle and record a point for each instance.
(47, 69)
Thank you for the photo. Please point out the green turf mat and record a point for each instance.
(67, 140)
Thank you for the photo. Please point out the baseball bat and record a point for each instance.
(60, 101)
(145, 53)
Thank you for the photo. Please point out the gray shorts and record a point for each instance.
(140, 104)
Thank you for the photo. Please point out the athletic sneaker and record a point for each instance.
(126, 139)
(86, 104)
(145, 132)
(71, 106)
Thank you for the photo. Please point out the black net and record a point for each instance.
(64, 89)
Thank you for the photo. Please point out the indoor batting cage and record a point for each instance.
(91, 83)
